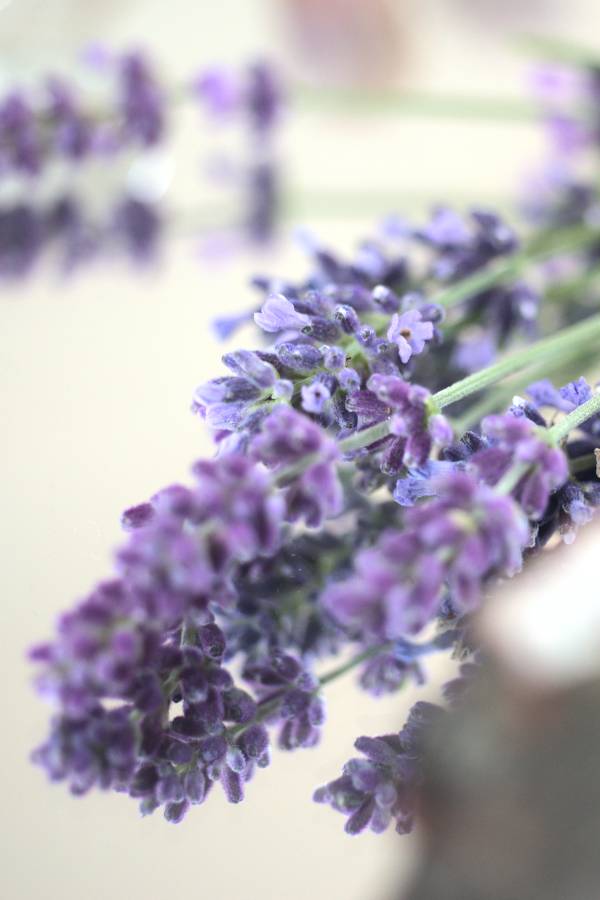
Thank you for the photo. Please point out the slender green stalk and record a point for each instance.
(583, 463)
(354, 662)
(365, 437)
(332, 204)
(574, 419)
(270, 706)
(417, 103)
(580, 336)
(555, 49)
(577, 284)
(559, 366)
(510, 479)
(539, 249)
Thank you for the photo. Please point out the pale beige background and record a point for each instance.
(95, 381)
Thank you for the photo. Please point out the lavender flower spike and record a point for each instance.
(457, 541)
(511, 440)
(380, 788)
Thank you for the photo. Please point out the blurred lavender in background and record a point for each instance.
(130, 112)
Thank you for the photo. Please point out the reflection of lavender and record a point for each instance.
(132, 229)
(255, 98)
(39, 127)
(561, 192)
(57, 123)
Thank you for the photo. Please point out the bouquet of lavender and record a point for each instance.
(397, 448)
(342, 515)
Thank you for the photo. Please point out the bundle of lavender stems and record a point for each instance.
(56, 124)
(414, 424)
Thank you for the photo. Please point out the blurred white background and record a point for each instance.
(96, 378)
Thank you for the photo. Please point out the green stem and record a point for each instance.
(576, 284)
(539, 249)
(583, 463)
(510, 479)
(268, 707)
(576, 418)
(502, 394)
(417, 103)
(331, 204)
(364, 438)
(354, 662)
(559, 50)
(578, 336)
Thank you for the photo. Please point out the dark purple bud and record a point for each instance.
(385, 298)
(144, 781)
(392, 459)
(194, 684)
(347, 318)
(220, 679)
(194, 785)
(174, 812)
(316, 712)
(359, 820)
(137, 516)
(148, 695)
(233, 785)
(294, 703)
(212, 749)
(286, 667)
(239, 706)
(367, 406)
(148, 805)
(254, 741)
(226, 389)
(264, 761)
(322, 329)
(431, 312)
(180, 753)
(169, 788)
(263, 98)
(212, 641)
(236, 760)
(299, 357)
(187, 727)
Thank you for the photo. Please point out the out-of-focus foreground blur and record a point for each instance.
(96, 376)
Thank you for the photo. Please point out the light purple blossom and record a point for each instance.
(315, 397)
(410, 333)
(514, 440)
(411, 421)
(285, 438)
(278, 314)
(566, 399)
(459, 539)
